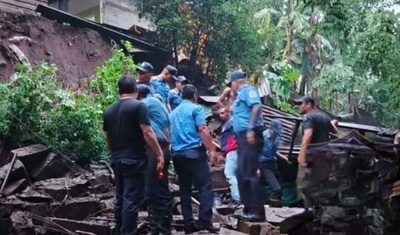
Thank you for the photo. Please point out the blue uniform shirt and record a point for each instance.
(271, 144)
(160, 87)
(247, 97)
(159, 118)
(174, 98)
(184, 121)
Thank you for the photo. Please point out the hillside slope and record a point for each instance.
(77, 52)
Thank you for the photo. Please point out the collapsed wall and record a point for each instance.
(29, 38)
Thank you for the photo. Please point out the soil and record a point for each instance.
(75, 51)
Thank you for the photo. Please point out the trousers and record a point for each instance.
(249, 182)
(130, 184)
(158, 196)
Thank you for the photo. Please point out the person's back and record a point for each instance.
(159, 118)
(183, 122)
(122, 122)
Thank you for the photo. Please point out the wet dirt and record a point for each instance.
(75, 51)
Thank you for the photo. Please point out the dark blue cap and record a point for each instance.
(181, 79)
(306, 99)
(145, 67)
(276, 126)
(144, 90)
(172, 70)
(237, 75)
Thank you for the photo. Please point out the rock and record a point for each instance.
(32, 156)
(77, 208)
(257, 228)
(53, 166)
(17, 39)
(21, 223)
(61, 188)
(12, 203)
(19, 55)
(17, 172)
(31, 195)
(94, 227)
(16, 187)
(225, 231)
(286, 218)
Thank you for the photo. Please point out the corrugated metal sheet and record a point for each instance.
(264, 88)
(29, 5)
(288, 125)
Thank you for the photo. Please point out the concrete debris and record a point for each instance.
(17, 39)
(16, 173)
(16, 187)
(94, 227)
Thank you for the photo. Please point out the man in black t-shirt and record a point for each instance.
(128, 130)
(316, 129)
(316, 126)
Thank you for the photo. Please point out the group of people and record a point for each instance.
(151, 124)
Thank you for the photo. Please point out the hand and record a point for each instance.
(251, 137)
(213, 156)
(160, 163)
(334, 122)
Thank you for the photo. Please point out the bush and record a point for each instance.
(39, 110)
(36, 109)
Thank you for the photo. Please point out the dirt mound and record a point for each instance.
(76, 51)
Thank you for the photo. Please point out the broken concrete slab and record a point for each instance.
(12, 203)
(257, 228)
(95, 227)
(225, 231)
(286, 218)
(77, 208)
(31, 156)
(31, 195)
(16, 187)
(61, 188)
(17, 172)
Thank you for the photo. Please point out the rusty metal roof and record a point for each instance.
(288, 125)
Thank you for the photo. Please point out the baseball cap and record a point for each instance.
(306, 99)
(181, 79)
(172, 70)
(235, 76)
(145, 67)
(276, 126)
(144, 90)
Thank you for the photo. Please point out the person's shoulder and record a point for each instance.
(173, 92)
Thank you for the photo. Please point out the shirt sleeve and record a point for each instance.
(251, 97)
(143, 113)
(199, 116)
(307, 123)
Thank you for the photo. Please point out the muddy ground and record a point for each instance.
(76, 51)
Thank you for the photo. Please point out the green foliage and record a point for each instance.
(218, 35)
(39, 110)
(4, 103)
(282, 81)
(105, 79)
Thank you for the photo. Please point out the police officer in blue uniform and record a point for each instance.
(145, 71)
(249, 126)
(190, 141)
(161, 83)
(157, 191)
(175, 94)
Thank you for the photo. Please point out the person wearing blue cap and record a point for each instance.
(268, 166)
(145, 71)
(191, 140)
(161, 83)
(249, 126)
(175, 94)
(157, 191)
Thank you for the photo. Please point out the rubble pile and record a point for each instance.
(47, 193)
(350, 182)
